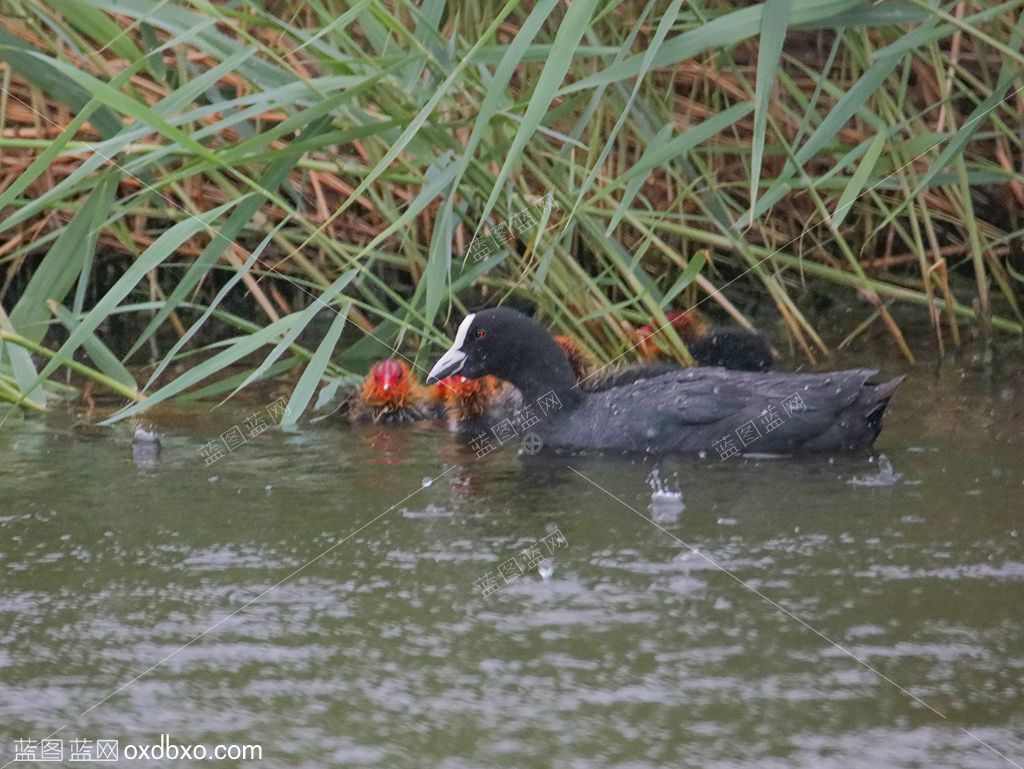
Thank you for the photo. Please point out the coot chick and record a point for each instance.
(689, 325)
(475, 405)
(688, 411)
(733, 348)
(593, 379)
(607, 378)
(580, 359)
(390, 394)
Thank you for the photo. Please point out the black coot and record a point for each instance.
(688, 410)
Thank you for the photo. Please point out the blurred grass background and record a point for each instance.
(196, 196)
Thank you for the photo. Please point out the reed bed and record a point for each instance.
(250, 190)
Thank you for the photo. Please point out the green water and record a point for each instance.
(633, 653)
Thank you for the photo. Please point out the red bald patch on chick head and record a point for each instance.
(388, 383)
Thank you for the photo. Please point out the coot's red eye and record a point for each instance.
(480, 333)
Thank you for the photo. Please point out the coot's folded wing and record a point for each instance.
(704, 410)
(775, 413)
(780, 412)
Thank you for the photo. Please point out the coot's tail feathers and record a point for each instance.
(876, 398)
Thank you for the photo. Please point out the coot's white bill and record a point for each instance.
(453, 360)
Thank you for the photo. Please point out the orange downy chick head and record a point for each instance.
(689, 325)
(467, 398)
(389, 382)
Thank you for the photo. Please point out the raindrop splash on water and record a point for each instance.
(546, 568)
(886, 476)
(666, 504)
(145, 448)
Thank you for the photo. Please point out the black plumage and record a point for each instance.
(684, 410)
